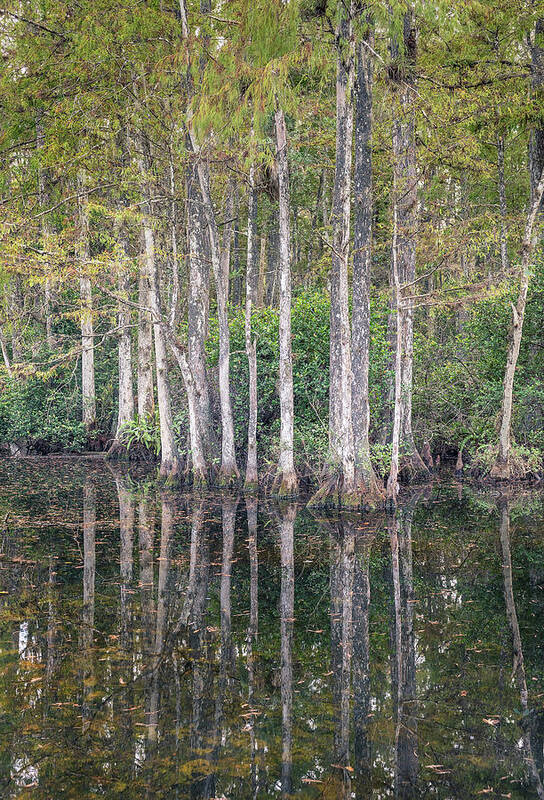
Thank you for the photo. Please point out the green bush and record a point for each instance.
(41, 412)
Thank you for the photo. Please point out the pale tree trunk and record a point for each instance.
(252, 478)
(197, 308)
(5, 354)
(501, 469)
(45, 229)
(340, 487)
(175, 297)
(199, 466)
(405, 177)
(393, 479)
(229, 469)
(236, 278)
(536, 145)
(124, 346)
(286, 481)
(362, 261)
(146, 403)
(170, 466)
(88, 395)
(228, 473)
(196, 380)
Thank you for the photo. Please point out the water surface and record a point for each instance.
(168, 646)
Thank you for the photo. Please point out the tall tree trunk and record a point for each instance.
(393, 479)
(43, 193)
(146, 402)
(340, 488)
(502, 468)
(170, 465)
(124, 345)
(362, 261)
(197, 309)
(175, 298)
(236, 279)
(228, 473)
(286, 481)
(405, 177)
(252, 478)
(88, 395)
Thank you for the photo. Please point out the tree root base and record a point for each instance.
(331, 495)
(227, 478)
(170, 475)
(285, 486)
(412, 469)
(251, 485)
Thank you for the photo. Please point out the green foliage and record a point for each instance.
(42, 412)
(143, 431)
(523, 460)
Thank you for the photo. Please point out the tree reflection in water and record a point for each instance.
(164, 646)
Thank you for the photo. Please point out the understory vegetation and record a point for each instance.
(457, 387)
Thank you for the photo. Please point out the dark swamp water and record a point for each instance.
(178, 647)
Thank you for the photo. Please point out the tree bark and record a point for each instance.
(229, 469)
(405, 178)
(393, 479)
(43, 194)
(197, 309)
(170, 464)
(124, 345)
(146, 402)
(340, 486)
(502, 469)
(88, 396)
(362, 262)
(286, 482)
(252, 477)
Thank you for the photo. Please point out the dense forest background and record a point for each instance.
(289, 240)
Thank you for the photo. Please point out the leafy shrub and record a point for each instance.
(143, 431)
(524, 461)
(39, 411)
